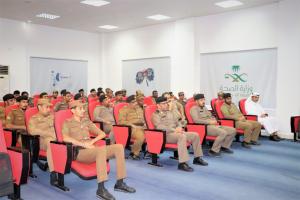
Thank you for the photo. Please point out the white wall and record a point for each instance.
(269, 26)
(19, 41)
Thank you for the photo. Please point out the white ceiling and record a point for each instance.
(125, 14)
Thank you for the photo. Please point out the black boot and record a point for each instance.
(53, 178)
(185, 167)
(122, 187)
(102, 192)
(199, 161)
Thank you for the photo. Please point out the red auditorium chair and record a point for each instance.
(91, 108)
(62, 154)
(243, 110)
(122, 132)
(148, 101)
(190, 100)
(295, 121)
(227, 122)
(55, 101)
(32, 143)
(156, 139)
(201, 129)
(20, 159)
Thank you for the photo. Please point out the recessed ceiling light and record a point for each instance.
(229, 3)
(95, 2)
(47, 16)
(158, 17)
(108, 27)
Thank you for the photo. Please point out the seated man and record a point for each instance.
(225, 134)
(118, 97)
(64, 105)
(104, 113)
(44, 95)
(220, 96)
(54, 94)
(181, 98)
(42, 124)
(251, 128)
(270, 123)
(93, 93)
(9, 100)
(76, 130)
(164, 119)
(154, 96)
(16, 118)
(132, 115)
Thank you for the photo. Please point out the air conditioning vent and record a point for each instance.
(3, 70)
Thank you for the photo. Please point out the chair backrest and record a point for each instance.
(212, 103)
(35, 100)
(28, 114)
(91, 107)
(2, 104)
(2, 140)
(187, 109)
(148, 101)
(124, 98)
(55, 101)
(117, 109)
(59, 119)
(242, 106)
(92, 99)
(8, 109)
(190, 100)
(149, 110)
(218, 105)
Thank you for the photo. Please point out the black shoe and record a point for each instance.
(102, 193)
(226, 150)
(199, 161)
(134, 157)
(246, 145)
(255, 143)
(53, 178)
(185, 167)
(214, 154)
(122, 187)
(274, 138)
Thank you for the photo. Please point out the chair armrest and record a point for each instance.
(156, 140)
(62, 156)
(122, 134)
(201, 129)
(251, 117)
(101, 124)
(20, 161)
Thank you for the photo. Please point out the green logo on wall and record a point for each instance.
(236, 77)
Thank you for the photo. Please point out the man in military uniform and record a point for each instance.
(64, 105)
(9, 100)
(54, 94)
(124, 92)
(181, 99)
(220, 96)
(251, 128)
(133, 115)
(109, 93)
(44, 95)
(154, 96)
(140, 100)
(104, 113)
(76, 130)
(165, 119)
(85, 103)
(118, 97)
(16, 118)
(30, 99)
(42, 124)
(224, 134)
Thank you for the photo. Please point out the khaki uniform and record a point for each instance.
(80, 131)
(251, 128)
(166, 120)
(16, 117)
(2, 116)
(61, 106)
(178, 111)
(104, 114)
(182, 102)
(225, 134)
(44, 127)
(134, 116)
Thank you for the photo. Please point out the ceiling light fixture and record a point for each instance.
(159, 17)
(96, 3)
(229, 3)
(47, 16)
(109, 27)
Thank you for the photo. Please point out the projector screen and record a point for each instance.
(48, 74)
(147, 75)
(240, 73)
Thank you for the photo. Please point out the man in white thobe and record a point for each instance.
(270, 124)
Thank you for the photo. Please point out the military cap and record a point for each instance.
(161, 99)
(198, 96)
(21, 98)
(130, 98)
(226, 95)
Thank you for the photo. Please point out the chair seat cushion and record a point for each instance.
(86, 170)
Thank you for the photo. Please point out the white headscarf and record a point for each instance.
(253, 108)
